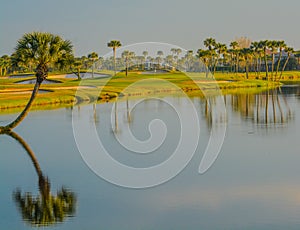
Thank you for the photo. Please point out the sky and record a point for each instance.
(90, 24)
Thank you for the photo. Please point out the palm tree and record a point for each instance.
(173, 51)
(257, 54)
(159, 58)
(247, 55)
(145, 54)
(77, 64)
(222, 51)
(169, 60)
(127, 56)
(189, 58)
(114, 44)
(45, 209)
(93, 57)
(235, 48)
(41, 49)
(211, 43)
(264, 46)
(5, 64)
(204, 56)
(289, 51)
(281, 45)
(177, 51)
(273, 46)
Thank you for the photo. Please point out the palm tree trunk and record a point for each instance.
(273, 61)
(284, 66)
(114, 49)
(93, 66)
(247, 69)
(215, 66)
(126, 68)
(4, 71)
(24, 113)
(278, 64)
(266, 64)
(206, 71)
(237, 63)
(259, 70)
(78, 74)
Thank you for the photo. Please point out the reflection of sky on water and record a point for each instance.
(253, 184)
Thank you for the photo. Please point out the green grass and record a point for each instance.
(13, 97)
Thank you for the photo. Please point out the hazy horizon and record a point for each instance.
(91, 24)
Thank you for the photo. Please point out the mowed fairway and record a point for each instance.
(66, 92)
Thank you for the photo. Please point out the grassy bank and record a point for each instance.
(14, 96)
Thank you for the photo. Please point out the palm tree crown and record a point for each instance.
(42, 49)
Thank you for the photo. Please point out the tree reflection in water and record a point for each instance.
(269, 107)
(45, 208)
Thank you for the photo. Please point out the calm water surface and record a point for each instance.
(254, 183)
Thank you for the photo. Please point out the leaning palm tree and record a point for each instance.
(281, 45)
(289, 51)
(114, 44)
(41, 49)
(45, 209)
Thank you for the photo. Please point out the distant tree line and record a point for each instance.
(267, 59)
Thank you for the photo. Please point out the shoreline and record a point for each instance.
(69, 92)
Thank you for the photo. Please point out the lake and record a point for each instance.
(253, 184)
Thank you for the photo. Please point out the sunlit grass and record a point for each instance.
(69, 91)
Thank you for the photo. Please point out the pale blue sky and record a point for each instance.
(90, 24)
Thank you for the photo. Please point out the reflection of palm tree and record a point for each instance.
(116, 115)
(95, 115)
(44, 209)
(128, 112)
(42, 49)
(263, 108)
